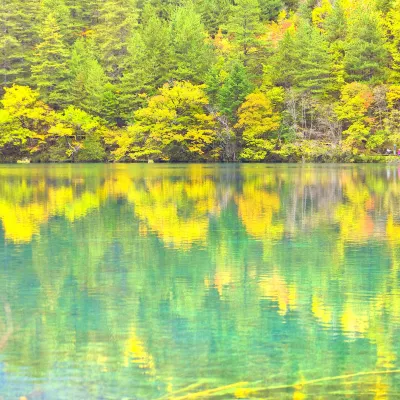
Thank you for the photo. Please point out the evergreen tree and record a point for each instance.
(50, 64)
(116, 23)
(137, 80)
(245, 26)
(62, 14)
(214, 13)
(284, 62)
(191, 54)
(313, 63)
(366, 57)
(88, 79)
(335, 28)
(270, 9)
(11, 60)
(393, 33)
(18, 27)
(234, 90)
(155, 35)
(148, 64)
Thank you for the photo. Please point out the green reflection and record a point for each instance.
(138, 281)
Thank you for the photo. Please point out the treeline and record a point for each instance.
(205, 80)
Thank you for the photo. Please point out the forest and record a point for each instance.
(200, 80)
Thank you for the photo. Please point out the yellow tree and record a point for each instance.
(174, 126)
(23, 117)
(257, 120)
(355, 102)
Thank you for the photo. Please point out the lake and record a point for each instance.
(199, 281)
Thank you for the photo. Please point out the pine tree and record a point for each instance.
(88, 79)
(18, 25)
(393, 33)
(62, 14)
(116, 23)
(245, 26)
(50, 64)
(270, 9)
(191, 54)
(313, 71)
(11, 60)
(155, 35)
(234, 90)
(136, 82)
(366, 57)
(214, 13)
(284, 62)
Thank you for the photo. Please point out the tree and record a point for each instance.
(366, 57)
(353, 109)
(313, 63)
(23, 118)
(257, 120)
(270, 9)
(78, 136)
(214, 13)
(393, 34)
(234, 90)
(284, 61)
(191, 53)
(137, 79)
(62, 15)
(244, 25)
(11, 60)
(50, 64)
(174, 126)
(18, 24)
(89, 82)
(335, 28)
(148, 64)
(117, 20)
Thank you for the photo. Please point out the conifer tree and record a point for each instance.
(191, 53)
(393, 33)
(313, 63)
(234, 90)
(88, 79)
(62, 14)
(214, 13)
(284, 61)
(18, 27)
(137, 80)
(116, 23)
(245, 26)
(50, 64)
(366, 57)
(270, 9)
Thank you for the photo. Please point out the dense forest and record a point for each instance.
(203, 80)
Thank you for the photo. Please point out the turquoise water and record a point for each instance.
(199, 282)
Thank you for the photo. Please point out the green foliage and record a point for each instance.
(333, 67)
(191, 53)
(257, 120)
(355, 102)
(50, 64)
(245, 26)
(366, 56)
(235, 88)
(117, 19)
(173, 127)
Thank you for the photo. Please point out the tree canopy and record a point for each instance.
(195, 81)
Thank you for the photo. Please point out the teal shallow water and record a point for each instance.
(160, 281)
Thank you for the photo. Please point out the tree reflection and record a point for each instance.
(169, 275)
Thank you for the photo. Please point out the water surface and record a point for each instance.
(199, 281)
